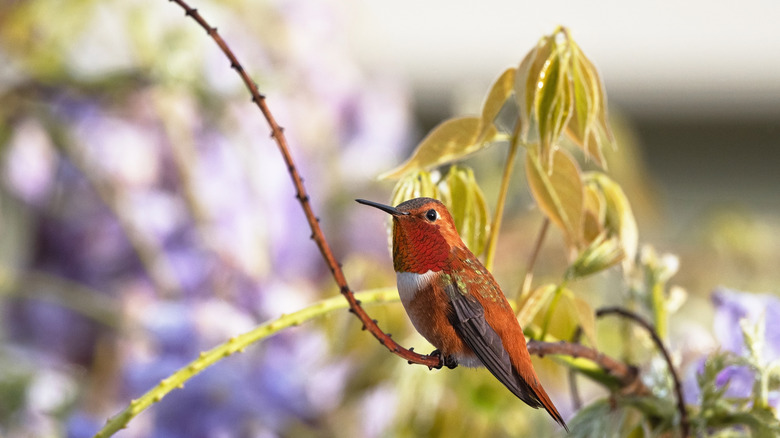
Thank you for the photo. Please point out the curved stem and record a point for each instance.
(490, 250)
(684, 424)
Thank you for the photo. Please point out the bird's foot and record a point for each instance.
(446, 360)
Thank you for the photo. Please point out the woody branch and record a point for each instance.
(277, 133)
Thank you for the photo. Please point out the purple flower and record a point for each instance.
(739, 380)
(732, 306)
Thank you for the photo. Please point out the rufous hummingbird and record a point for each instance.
(454, 301)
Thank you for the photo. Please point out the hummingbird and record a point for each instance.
(455, 303)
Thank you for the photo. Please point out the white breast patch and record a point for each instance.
(409, 283)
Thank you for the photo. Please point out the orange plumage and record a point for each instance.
(454, 301)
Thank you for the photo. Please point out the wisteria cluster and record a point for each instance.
(144, 222)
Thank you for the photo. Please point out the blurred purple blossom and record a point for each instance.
(731, 307)
(147, 176)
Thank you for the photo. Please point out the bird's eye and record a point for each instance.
(432, 215)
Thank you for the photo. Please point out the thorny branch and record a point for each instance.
(277, 133)
(684, 424)
(626, 374)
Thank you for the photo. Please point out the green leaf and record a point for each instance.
(449, 141)
(461, 194)
(597, 419)
(527, 81)
(497, 96)
(601, 254)
(558, 90)
(553, 101)
(558, 192)
(588, 124)
(619, 218)
(595, 214)
(533, 302)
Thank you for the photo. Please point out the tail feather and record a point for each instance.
(548, 405)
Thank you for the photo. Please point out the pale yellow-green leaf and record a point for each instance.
(414, 185)
(585, 315)
(533, 302)
(619, 218)
(587, 127)
(499, 92)
(558, 191)
(594, 200)
(595, 213)
(591, 227)
(449, 141)
(601, 254)
(527, 83)
(553, 100)
(559, 91)
(464, 199)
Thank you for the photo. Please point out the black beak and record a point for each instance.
(386, 208)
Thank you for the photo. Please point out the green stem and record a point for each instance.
(529, 270)
(659, 307)
(509, 165)
(237, 344)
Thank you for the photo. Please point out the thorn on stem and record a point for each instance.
(190, 12)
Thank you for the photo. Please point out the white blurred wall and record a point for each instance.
(669, 58)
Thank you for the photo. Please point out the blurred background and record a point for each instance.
(146, 215)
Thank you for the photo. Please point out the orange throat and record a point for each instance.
(418, 251)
